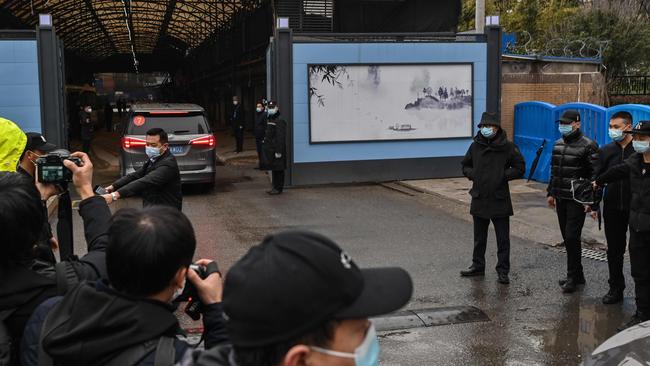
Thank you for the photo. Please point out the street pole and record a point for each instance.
(479, 19)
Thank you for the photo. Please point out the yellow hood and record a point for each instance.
(12, 144)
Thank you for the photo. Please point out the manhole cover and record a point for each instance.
(597, 255)
(430, 317)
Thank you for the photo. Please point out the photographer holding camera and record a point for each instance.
(27, 281)
(130, 320)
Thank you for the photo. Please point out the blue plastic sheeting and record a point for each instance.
(537, 121)
(19, 84)
(381, 53)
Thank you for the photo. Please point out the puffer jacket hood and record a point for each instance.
(12, 143)
(93, 323)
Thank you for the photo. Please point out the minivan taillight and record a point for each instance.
(208, 141)
(130, 142)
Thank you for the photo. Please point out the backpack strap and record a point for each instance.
(66, 277)
(165, 352)
(164, 348)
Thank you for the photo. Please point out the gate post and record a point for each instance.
(493, 97)
(283, 88)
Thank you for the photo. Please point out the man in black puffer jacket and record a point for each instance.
(637, 169)
(490, 163)
(574, 157)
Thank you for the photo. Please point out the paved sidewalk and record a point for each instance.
(529, 202)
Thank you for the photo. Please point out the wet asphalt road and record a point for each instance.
(531, 322)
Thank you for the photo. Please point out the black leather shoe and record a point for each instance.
(581, 281)
(570, 286)
(274, 192)
(637, 318)
(614, 296)
(503, 279)
(472, 271)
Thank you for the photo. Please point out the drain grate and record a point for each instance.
(597, 255)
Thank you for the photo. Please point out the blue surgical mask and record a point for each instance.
(272, 111)
(258, 110)
(565, 129)
(615, 135)
(152, 152)
(641, 147)
(487, 131)
(367, 354)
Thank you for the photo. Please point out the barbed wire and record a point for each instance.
(588, 47)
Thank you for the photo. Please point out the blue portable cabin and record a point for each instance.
(533, 125)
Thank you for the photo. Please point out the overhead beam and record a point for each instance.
(171, 5)
(100, 25)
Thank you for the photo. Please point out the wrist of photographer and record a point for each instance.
(82, 176)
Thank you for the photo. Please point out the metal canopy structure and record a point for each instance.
(97, 29)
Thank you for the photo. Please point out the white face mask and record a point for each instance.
(89, 110)
(179, 291)
(234, 102)
(367, 354)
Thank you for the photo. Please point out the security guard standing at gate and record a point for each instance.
(616, 203)
(637, 169)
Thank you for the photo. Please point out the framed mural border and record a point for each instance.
(471, 132)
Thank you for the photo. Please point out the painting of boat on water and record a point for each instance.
(390, 102)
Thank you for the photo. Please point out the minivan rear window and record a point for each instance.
(190, 124)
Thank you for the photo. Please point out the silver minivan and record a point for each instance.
(190, 139)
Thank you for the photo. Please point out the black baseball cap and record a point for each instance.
(569, 116)
(642, 128)
(295, 281)
(36, 141)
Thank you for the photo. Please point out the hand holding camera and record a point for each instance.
(56, 169)
(204, 287)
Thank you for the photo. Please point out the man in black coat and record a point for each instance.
(616, 203)
(237, 123)
(274, 147)
(574, 157)
(636, 169)
(159, 179)
(490, 163)
(87, 128)
(260, 130)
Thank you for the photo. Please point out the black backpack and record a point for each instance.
(66, 278)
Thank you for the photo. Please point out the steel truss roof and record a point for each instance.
(98, 28)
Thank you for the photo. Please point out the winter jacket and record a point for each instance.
(222, 355)
(93, 324)
(638, 172)
(260, 124)
(275, 143)
(12, 145)
(87, 127)
(158, 182)
(617, 194)
(24, 286)
(490, 164)
(236, 118)
(574, 156)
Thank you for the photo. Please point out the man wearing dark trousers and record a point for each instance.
(490, 163)
(274, 148)
(574, 157)
(159, 179)
(636, 169)
(237, 124)
(616, 203)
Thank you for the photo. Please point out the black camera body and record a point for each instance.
(50, 168)
(190, 294)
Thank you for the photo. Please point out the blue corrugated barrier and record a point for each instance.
(535, 122)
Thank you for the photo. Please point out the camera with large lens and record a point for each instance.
(50, 168)
(194, 306)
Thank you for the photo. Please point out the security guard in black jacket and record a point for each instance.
(159, 179)
(637, 169)
(574, 157)
(490, 163)
(616, 203)
(274, 148)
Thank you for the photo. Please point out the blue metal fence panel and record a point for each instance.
(639, 112)
(533, 125)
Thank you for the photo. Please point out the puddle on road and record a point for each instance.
(581, 328)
